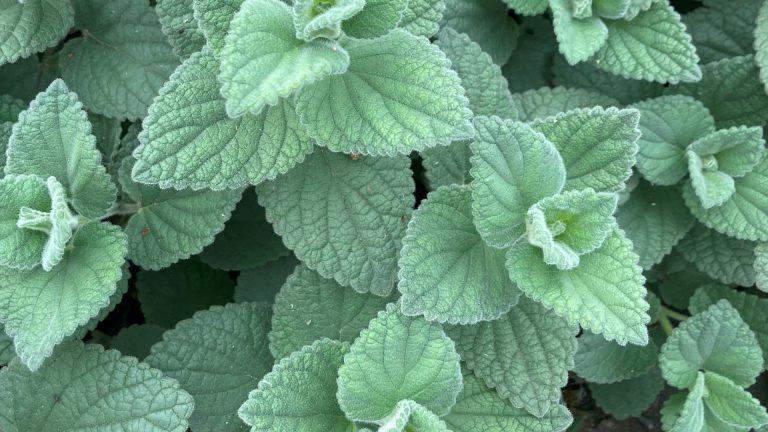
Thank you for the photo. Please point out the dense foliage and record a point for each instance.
(382, 215)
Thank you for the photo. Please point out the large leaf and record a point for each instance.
(31, 26)
(726, 259)
(732, 404)
(723, 31)
(213, 18)
(422, 17)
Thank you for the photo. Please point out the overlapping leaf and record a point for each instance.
(31, 26)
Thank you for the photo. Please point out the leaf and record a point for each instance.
(39, 308)
(301, 312)
(525, 355)
(722, 32)
(731, 90)
(299, 392)
(485, 86)
(189, 286)
(722, 258)
(513, 167)
(628, 398)
(750, 308)
(653, 46)
(712, 187)
(686, 412)
(318, 18)
(654, 218)
(485, 22)
(669, 124)
(528, 7)
(52, 138)
(344, 218)
(124, 51)
(601, 362)
(578, 38)
(737, 150)
(398, 358)
(447, 273)
(745, 215)
(422, 17)
(398, 95)
(179, 25)
(715, 340)
(570, 224)
(761, 43)
(60, 223)
(447, 165)
(169, 224)
(480, 408)
(611, 9)
(409, 416)
(263, 283)
(376, 19)
(21, 248)
(27, 77)
(114, 299)
(262, 61)
(218, 356)
(10, 108)
(529, 66)
(31, 26)
(608, 137)
(732, 404)
(761, 267)
(213, 18)
(85, 387)
(137, 339)
(547, 102)
(679, 280)
(604, 294)
(6, 347)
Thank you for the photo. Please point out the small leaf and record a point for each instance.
(578, 38)
(447, 273)
(726, 259)
(601, 362)
(715, 340)
(409, 416)
(21, 248)
(485, 22)
(712, 187)
(732, 404)
(31, 26)
(218, 356)
(320, 18)
(688, 413)
(62, 223)
(548, 102)
(737, 150)
(398, 358)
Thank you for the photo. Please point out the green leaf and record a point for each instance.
(31, 26)
(83, 387)
(6, 347)
(751, 309)
(737, 150)
(60, 224)
(628, 398)
(513, 167)
(712, 187)
(318, 18)
(529, 66)
(343, 217)
(263, 283)
(669, 124)
(376, 19)
(715, 340)
(761, 267)
(653, 46)
(732, 91)
(761, 43)
(169, 224)
(189, 286)
(409, 416)
(137, 339)
(528, 7)
(218, 356)
(485, 22)
(398, 95)
(687, 413)
(447, 165)
(398, 358)
(578, 38)
(602, 362)
(118, 68)
(53, 138)
(745, 214)
(654, 218)
(607, 136)
(247, 241)
(262, 61)
(422, 17)
(604, 294)
(447, 273)
(679, 280)
(213, 18)
(10, 108)
(27, 77)
(547, 102)
(299, 392)
(114, 299)
(732, 404)
(722, 32)
(525, 355)
(479, 408)
(309, 308)
(179, 25)
(485, 86)
(21, 248)
(39, 308)
(570, 224)
(722, 258)
(107, 132)
(611, 9)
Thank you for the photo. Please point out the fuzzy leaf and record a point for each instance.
(602, 362)
(398, 358)
(301, 312)
(737, 150)
(179, 25)
(547, 102)
(726, 259)
(604, 294)
(732, 404)
(39, 308)
(83, 387)
(320, 18)
(60, 224)
(761, 43)
(690, 411)
(525, 355)
(218, 356)
(628, 398)
(119, 67)
(422, 17)
(409, 416)
(398, 95)
(530, 65)
(578, 38)
(213, 18)
(31, 26)
(376, 19)
(447, 273)
(761, 266)
(21, 248)
(486, 22)
(712, 187)
(6, 347)
(513, 167)
(528, 7)
(447, 165)
(724, 31)
(343, 217)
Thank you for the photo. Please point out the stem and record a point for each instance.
(122, 209)
(666, 325)
(677, 316)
